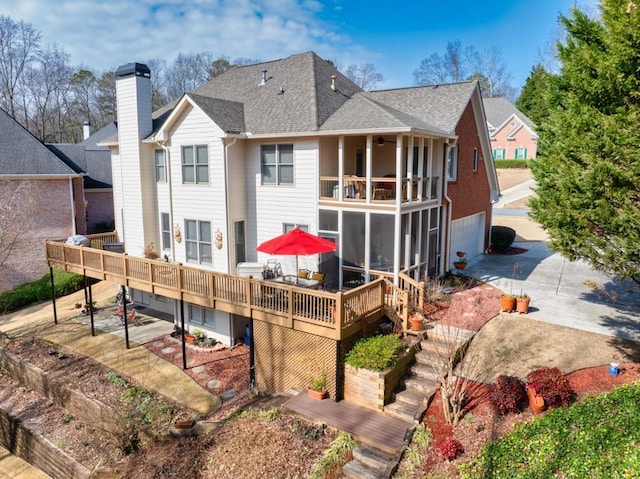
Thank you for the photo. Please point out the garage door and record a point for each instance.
(467, 234)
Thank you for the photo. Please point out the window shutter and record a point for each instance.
(525, 154)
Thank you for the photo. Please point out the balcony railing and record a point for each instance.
(334, 315)
(382, 190)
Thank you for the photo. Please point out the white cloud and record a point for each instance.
(105, 34)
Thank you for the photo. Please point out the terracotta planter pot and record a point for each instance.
(522, 305)
(507, 303)
(189, 338)
(416, 323)
(317, 394)
(536, 401)
(185, 424)
(460, 265)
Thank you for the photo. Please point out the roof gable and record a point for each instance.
(21, 154)
(499, 110)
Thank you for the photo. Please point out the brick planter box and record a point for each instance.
(374, 389)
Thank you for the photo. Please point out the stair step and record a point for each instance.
(401, 410)
(372, 457)
(425, 371)
(410, 396)
(439, 346)
(359, 470)
(446, 331)
(421, 385)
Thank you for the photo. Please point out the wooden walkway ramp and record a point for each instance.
(370, 427)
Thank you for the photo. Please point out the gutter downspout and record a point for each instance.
(74, 225)
(229, 229)
(446, 243)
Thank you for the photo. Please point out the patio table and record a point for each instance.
(294, 280)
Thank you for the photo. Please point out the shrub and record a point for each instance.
(511, 163)
(507, 394)
(40, 290)
(376, 353)
(551, 384)
(502, 237)
(450, 449)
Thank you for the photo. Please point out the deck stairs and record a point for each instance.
(440, 343)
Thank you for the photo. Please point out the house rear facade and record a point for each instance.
(400, 179)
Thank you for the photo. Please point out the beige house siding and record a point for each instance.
(52, 219)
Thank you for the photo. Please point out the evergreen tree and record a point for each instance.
(534, 96)
(588, 194)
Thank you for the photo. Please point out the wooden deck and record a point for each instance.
(370, 427)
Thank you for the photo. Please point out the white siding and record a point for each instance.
(269, 206)
(203, 202)
(467, 234)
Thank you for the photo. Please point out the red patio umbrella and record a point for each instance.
(297, 242)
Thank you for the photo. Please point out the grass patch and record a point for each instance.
(596, 438)
(40, 290)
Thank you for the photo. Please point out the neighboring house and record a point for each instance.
(512, 134)
(95, 161)
(42, 198)
(397, 178)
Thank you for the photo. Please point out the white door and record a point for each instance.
(467, 234)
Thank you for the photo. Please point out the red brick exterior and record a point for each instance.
(49, 202)
(470, 193)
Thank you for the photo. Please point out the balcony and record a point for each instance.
(382, 190)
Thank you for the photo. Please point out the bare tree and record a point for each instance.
(17, 207)
(187, 72)
(460, 64)
(19, 43)
(364, 75)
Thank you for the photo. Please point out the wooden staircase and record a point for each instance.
(441, 343)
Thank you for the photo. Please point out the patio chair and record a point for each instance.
(131, 317)
(318, 277)
(304, 273)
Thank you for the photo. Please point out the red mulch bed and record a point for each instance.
(229, 366)
(482, 424)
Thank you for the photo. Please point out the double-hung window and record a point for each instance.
(195, 164)
(161, 165)
(499, 153)
(277, 164)
(452, 164)
(521, 153)
(198, 241)
(165, 228)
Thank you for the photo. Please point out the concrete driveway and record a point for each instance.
(562, 292)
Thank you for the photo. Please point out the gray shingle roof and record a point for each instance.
(499, 109)
(228, 115)
(297, 96)
(22, 154)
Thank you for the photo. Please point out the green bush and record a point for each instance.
(502, 237)
(596, 438)
(511, 163)
(40, 290)
(376, 353)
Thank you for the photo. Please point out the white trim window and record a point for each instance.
(521, 153)
(201, 316)
(160, 165)
(197, 241)
(277, 164)
(286, 227)
(165, 230)
(499, 153)
(452, 164)
(475, 159)
(195, 164)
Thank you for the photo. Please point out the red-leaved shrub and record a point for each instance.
(551, 384)
(450, 449)
(508, 394)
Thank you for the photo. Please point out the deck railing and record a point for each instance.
(383, 189)
(335, 315)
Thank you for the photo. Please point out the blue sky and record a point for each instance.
(394, 36)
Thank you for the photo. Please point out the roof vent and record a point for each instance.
(333, 82)
(263, 80)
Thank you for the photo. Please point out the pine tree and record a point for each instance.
(534, 96)
(588, 194)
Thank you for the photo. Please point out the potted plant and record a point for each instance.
(318, 385)
(461, 263)
(522, 303)
(415, 320)
(508, 301)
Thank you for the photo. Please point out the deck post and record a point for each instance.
(184, 346)
(252, 358)
(124, 314)
(339, 372)
(53, 296)
(90, 303)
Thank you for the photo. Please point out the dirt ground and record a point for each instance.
(509, 177)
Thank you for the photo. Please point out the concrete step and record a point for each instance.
(401, 410)
(439, 346)
(372, 457)
(409, 396)
(359, 470)
(425, 371)
(446, 331)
